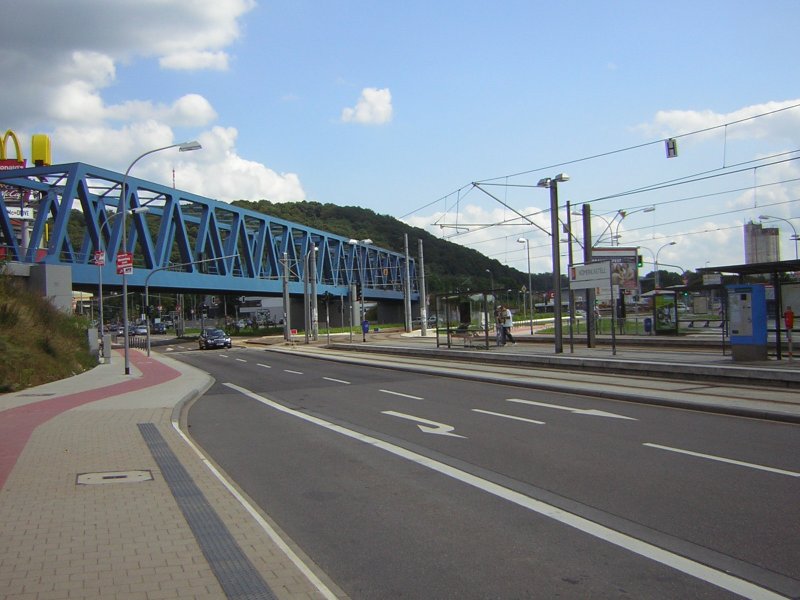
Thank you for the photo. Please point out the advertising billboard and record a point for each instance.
(624, 266)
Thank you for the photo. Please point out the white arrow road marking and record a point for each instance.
(576, 411)
(428, 427)
(515, 418)
(723, 459)
(685, 565)
(401, 395)
(336, 380)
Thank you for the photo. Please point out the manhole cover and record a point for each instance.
(114, 477)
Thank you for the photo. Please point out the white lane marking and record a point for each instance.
(724, 460)
(670, 559)
(337, 380)
(427, 426)
(576, 411)
(293, 372)
(268, 529)
(241, 360)
(401, 395)
(515, 418)
(263, 365)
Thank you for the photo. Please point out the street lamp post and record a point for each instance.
(794, 231)
(491, 281)
(123, 197)
(530, 280)
(626, 213)
(310, 318)
(655, 262)
(552, 184)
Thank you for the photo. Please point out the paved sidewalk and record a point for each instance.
(122, 535)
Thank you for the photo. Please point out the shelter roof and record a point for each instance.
(781, 266)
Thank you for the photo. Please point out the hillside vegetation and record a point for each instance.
(38, 343)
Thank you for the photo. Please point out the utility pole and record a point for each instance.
(587, 258)
(423, 297)
(287, 329)
(407, 286)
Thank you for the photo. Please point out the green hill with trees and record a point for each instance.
(448, 266)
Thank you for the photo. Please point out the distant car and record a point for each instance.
(158, 328)
(214, 338)
(139, 330)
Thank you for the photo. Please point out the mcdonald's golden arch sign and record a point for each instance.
(5, 162)
(40, 151)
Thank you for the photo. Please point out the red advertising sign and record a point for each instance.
(124, 263)
(99, 258)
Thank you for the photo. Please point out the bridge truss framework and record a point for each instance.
(183, 242)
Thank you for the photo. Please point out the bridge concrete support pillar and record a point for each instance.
(50, 281)
(336, 312)
(391, 312)
(297, 313)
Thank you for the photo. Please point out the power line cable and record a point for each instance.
(617, 151)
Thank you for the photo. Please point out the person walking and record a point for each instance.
(508, 322)
(499, 316)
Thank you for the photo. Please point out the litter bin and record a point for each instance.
(648, 325)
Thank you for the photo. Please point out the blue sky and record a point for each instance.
(399, 107)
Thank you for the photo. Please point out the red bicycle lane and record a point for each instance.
(18, 424)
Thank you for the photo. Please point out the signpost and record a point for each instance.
(598, 276)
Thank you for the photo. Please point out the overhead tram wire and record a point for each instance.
(610, 153)
(703, 176)
(643, 145)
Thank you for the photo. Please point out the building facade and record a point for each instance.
(761, 244)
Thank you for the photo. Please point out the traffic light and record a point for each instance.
(640, 261)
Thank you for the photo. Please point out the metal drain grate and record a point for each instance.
(236, 574)
(113, 477)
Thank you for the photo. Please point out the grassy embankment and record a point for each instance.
(38, 343)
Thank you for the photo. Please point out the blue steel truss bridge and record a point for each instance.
(181, 242)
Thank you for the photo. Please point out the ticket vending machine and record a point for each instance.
(747, 316)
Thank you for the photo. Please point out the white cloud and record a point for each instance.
(499, 242)
(224, 175)
(61, 76)
(191, 110)
(195, 60)
(60, 72)
(374, 107)
(781, 125)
